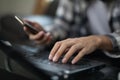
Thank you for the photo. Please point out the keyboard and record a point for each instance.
(38, 62)
(41, 61)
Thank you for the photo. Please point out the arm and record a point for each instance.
(82, 45)
(85, 45)
(61, 24)
(57, 31)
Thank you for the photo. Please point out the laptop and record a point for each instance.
(36, 60)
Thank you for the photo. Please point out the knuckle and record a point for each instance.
(58, 43)
(64, 45)
(68, 39)
(74, 47)
(58, 54)
(67, 56)
(31, 38)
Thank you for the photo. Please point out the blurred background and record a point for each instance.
(17, 6)
(25, 7)
(41, 11)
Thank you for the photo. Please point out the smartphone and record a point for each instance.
(31, 28)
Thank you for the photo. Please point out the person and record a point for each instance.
(76, 19)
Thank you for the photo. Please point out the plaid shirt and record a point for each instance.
(115, 36)
(72, 21)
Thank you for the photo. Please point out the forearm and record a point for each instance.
(110, 45)
(105, 43)
(102, 42)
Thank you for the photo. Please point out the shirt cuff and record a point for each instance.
(115, 53)
(114, 42)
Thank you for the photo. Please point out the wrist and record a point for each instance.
(102, 42)
(105, 43)
(97, 40)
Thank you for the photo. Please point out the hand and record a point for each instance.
(83, 46)
(42, 37)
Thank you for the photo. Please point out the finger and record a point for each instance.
(79, 56)
(44, 39)
(34, 24)
(38, 26)
(49, 39)
(28, 21)
(71, 51)
(31, 23)
(54, 50)
(38, 36)
(27, 31)
(67, 50)
(60, 51)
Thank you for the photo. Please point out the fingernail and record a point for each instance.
(73, 61)
(64, 60)
(55, 59)
(50, 57)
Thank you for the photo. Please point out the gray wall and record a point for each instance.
(17, 6)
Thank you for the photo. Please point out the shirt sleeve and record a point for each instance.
(61, 24)
(115, 39)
